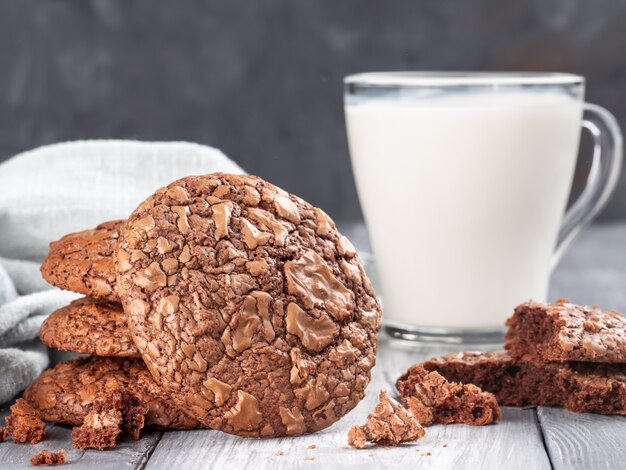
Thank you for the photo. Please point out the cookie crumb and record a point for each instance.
(370, 455)
(46, 458)
(309, 458)
(3, 434)
(445, 445)
(312, 446)
(24, 424)
(389, 424)
(429, 454)
(433, 399)
(279, 453)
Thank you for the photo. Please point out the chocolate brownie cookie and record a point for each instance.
(83, 261)
(248, 305)
(389, 424)
(89, 326)
(566, 332)
(579, 387)
(24, 424)
(45, 458)
(433, 399)
(66, 393)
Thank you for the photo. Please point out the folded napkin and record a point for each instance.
(62, 188)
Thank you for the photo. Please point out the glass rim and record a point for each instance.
(454, 78)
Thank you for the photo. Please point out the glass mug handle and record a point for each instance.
(602, 178)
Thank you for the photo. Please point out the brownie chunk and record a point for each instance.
(389, 424)
(24, 424)
(46, 458)
(101, 426)
(248, 305)
(89, 326)
(433, 399)
(579, 387)
(566, 332)
(66, 393)
(83, 261)
(109, 416)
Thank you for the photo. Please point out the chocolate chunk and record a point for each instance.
(433, 399)
(579, 387)
(24, 424)
(67, 392)
(45, 458)
(247, 305)
(389, 424)
(83, 261)
(89, 326)
(566, 332)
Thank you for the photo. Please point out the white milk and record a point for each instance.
(463, 197)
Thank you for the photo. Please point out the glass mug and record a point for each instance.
(463, 179)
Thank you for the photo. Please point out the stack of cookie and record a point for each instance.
(221, 302)
(83, 262)
(558, 354)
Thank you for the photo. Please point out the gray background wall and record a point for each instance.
(262, 79)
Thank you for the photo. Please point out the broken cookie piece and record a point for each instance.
(109, 416)
(24, 424)
(566, 332)
(389, 424)
(46, 458)
(579, 387)
(433, 399)
(99, 430)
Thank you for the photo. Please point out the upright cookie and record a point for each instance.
(83, 261)
(66, 393)
(90, 327)
(248, 305)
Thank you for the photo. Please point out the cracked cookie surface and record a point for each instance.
(83, 261)
(89, 326)
(66, 393)
(248, 305)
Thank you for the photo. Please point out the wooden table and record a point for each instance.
(593, 271)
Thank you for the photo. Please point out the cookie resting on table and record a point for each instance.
(89, 326)
(566, 332)
(247, 304)
(579, 387)
(83, 261)
(66, 393)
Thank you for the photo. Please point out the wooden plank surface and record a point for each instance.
(583, 440)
